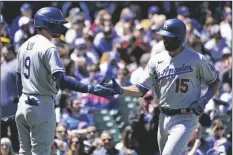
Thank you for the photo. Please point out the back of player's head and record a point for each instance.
(49, 18)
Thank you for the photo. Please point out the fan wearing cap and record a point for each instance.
(26, 31)
(81, 50)
(182, 13)
(152, 11)
(77, 26)
(127, 18)
(26, 10)
(103, 40)
(215, 45)
(226, 27)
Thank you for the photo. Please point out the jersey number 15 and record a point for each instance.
(27, 64)
(181, 85)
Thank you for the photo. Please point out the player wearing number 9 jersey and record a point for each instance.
(176, 75)
(40, 74)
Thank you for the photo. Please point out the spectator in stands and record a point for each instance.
(126, 145)
(26, 30)
(138, 72)
(103, 40)
(220, 147)
(61, 139)
(131, 53)
(75, 146)
(26, 10)
(75, 120)
(90, 136)
(226, 27)
(120, 24)
(98, 21)
(76, 30)
(139, 34)
(9, 91)
(110, 68)
(183, 13)
(81, 50)
(88, 36)
(72, 13)
(159, 46)
(215, 45)
(4, 28)
(216, 133)
(152, 37)
(6, 147)
(205, 32)
(123, 77)
(226, 73)
(147, 23)
(197, 144)
(110, 61)
(107, 145)
(152, 11)
(144, 122)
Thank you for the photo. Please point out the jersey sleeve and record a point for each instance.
(207, 71)
(18, 67)
(52, 61)
(146, 80)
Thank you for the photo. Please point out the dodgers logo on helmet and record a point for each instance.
(173, 28)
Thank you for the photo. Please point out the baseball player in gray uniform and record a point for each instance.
(176, 75)
(40, 74)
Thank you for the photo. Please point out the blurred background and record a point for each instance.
(116, 39)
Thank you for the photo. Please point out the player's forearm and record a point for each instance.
(131, 91)
(212, 89)
(67, 82)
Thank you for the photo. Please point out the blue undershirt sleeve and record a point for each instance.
(66, 82)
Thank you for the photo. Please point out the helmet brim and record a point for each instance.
(165, 33)
(62, 21)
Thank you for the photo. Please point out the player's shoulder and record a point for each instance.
(44, 41)
(191, 54)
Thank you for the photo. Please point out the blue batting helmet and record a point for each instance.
(49, 18)
(173, 28)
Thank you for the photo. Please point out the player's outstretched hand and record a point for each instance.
(102, 90)
(113, 85)
(197, 108)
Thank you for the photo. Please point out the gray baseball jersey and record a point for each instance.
(177, 80)
(38, 59)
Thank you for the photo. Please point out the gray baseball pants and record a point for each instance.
(174, 132)
(36, 125)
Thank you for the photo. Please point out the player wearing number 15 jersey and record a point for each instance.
(176, 75)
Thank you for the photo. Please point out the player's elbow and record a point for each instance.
(59, 77)
(215, 85)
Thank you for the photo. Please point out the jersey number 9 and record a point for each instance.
(27, 64)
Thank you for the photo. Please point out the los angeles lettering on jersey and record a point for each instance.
(171, 71)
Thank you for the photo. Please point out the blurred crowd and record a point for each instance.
(94, 46)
